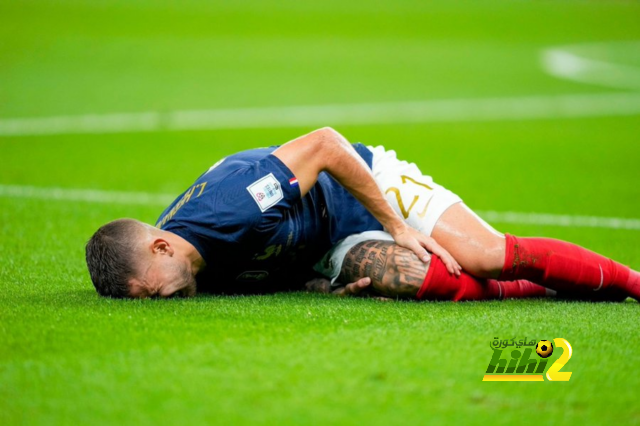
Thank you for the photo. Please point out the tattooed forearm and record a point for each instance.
(394, 270)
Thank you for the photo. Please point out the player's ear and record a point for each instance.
(161, 246)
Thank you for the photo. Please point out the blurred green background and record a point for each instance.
(74, 57)
(68, 357)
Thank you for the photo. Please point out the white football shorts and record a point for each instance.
(412, 194)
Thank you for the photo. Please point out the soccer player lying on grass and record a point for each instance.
(258, 221)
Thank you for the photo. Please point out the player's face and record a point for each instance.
(164, 279)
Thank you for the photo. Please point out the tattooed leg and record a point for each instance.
(398, 273)
(394, 271)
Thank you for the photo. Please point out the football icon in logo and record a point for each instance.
(544, 348)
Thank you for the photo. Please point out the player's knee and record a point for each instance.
(487, 263)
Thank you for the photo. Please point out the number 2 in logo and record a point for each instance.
(554, 373)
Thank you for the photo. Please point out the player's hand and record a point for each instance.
(323, 285)
(360, 288)
(419, 243)
(318, 285)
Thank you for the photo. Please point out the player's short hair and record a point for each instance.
(111, 259)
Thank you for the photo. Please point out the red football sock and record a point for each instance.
(439, 284)
(518, 289)
(567, 268)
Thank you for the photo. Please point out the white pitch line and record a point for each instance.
(85, 195)
(560, 220)
(448, 110)
(145, 198)
(576, 63)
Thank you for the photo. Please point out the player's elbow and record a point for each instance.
(327, 135)
(326, 131)
(324, 149)
(327, 140)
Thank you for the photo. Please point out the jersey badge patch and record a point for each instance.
(266, 192)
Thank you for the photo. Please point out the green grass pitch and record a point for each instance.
(70, 357)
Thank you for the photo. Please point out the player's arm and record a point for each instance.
(394, 271)
(326, 150)
(377, 268)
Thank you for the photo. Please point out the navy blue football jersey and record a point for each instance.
(255, 231)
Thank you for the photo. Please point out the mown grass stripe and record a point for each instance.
(426, 111)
